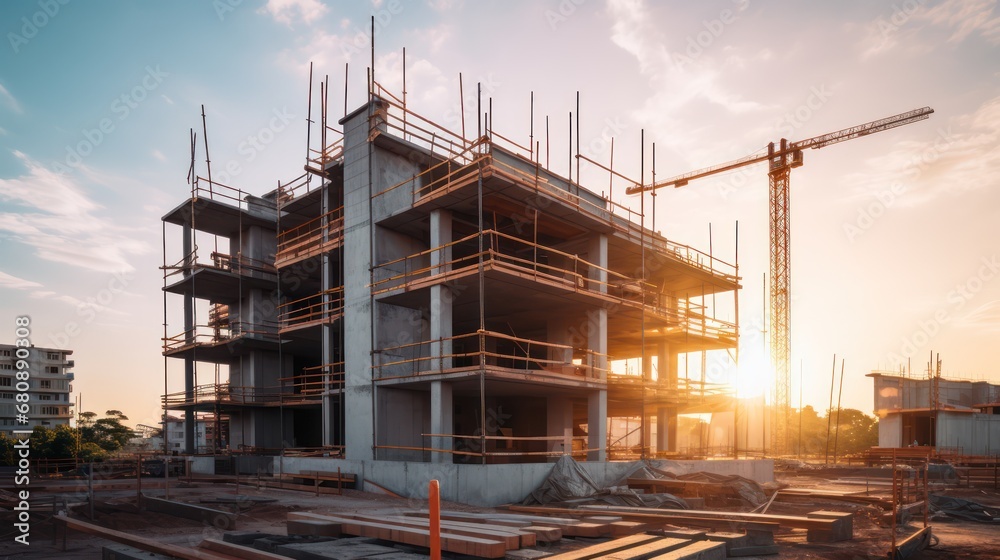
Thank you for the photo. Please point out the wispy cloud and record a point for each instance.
(957, 20)
(52, 213)
(9, 100)
(985, 318)
(288, 11)
(955, 157)
(677, 78)
(15, 283)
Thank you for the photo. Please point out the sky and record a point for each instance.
(894, 236)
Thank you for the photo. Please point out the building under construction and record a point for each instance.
(419, 296)
(952, 415)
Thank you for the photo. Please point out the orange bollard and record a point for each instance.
(434, 503)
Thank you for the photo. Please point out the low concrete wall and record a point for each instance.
(201, 465)
(492, 485)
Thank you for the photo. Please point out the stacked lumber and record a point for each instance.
(388, 530)
(824, 527)
(643, 547)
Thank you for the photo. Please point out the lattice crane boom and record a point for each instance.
(782, 158)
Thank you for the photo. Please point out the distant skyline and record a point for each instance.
(894, 237)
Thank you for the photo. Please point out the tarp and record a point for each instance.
(568, 484)
(748, 490)
(964, 509)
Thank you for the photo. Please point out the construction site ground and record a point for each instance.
(872, 539)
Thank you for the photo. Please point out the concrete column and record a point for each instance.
(662, 431)
(189, 338)
(441, 296)
(441, 327)
(441, 420)
(597, 253)
(326, 330)
(559, 419)
(359, 432)
(557, 332)
(597, 425)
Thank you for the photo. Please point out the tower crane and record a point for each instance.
(782, 158)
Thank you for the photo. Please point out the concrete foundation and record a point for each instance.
(493, 485)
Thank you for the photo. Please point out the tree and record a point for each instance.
(108, 433)
(116, 414)
(87, 418)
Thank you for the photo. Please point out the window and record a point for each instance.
(50, 410)
(6, 382)
(51, 369)
(5, 353)
(7, 366)
(6, 395)
(53, 355)
(45, 384)
(45, 397)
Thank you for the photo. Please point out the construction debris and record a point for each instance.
(964, 509)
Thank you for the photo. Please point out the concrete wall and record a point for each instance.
(975, 434)
(492, 485)
(890, 431)
(403, 416)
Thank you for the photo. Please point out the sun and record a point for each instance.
(754, 377)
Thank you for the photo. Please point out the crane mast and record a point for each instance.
(781, 159)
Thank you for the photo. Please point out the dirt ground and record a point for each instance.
(955, 538)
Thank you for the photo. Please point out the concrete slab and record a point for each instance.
(124, 552)
(215, 518)
(328, 551)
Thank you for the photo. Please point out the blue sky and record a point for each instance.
(894, 248)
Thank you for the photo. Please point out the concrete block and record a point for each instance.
(313, 527)
(690, 534)
(330, 551)
(245, 538)
(842, 528)
(524, 554)
(270, 544)
(124, 552)
(731, 540)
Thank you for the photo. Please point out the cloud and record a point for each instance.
(960, 156)
(680, 79)
(957, 19)
(159, 155)
(51, 213)
(985, 318)
(286, 11)
(15, 283)
(9, 100)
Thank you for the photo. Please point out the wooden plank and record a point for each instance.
(609, 547)
(141, 543)
(700, 550)
(239, 551)
(796, 522)
(648, 550)
(545, 534)
(695, 521)
(524, 538)
(623, 528)
(511, 540)
(472, 546)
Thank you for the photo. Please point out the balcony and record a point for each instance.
(219, 345)
(310, 239)
(318, 309)
(502, 356)
(307, 388)
(545, 271)
(223, 278)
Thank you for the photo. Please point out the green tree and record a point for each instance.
(108, 433)
(7, 455)
(87, 418)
